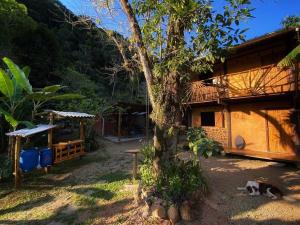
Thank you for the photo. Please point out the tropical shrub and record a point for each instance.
(200, 144)
(181, 180)
(15, 87)
(5, 167)
(146, 169)
(177, 183)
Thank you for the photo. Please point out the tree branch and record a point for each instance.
(137, 35)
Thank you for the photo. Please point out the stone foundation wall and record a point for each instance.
(219, 134)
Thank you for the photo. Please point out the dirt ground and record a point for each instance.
(92, 192)
(226, 205)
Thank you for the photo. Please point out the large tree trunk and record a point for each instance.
(166, 108)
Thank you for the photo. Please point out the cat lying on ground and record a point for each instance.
(255, 188)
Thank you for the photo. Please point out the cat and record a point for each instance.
(258, 188)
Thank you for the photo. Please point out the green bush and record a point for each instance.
(146, 169)
(199, 143)
(5, 167)
(179, 180)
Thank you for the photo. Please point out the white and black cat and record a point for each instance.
(258, 188)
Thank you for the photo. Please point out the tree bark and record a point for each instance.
(167, 107)
(137, 35)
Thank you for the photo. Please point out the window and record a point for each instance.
(207, 118)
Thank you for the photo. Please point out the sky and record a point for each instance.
(268, 15)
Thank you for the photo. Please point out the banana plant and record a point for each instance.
(49, 93)
(15, 87)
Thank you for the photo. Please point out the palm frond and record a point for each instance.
(290, 59)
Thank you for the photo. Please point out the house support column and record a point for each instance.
(228, 126)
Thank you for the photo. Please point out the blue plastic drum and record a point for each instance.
(29, 159)
(46, 158)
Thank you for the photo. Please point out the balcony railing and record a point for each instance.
(261, 81)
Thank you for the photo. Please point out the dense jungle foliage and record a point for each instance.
(77, 55)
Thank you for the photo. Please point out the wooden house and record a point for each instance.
(248, 103)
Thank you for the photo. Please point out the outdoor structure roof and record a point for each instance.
(28, 132)
(72, 114)
(265, 37)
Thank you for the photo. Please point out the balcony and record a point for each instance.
(263, 81)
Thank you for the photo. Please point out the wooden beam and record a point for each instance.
(82, 137)
(50, 138)
(51, 118)
(119, 125)
(228, 126)
(17, 162)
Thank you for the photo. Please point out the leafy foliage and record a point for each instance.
(199, 31)
(5, 167)
(179, 180)
(291, 59)
(146, 169)
(291, 21)
(37, 33)
(199, 143)
(15, 87)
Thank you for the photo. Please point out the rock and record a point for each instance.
(173, 214)
(186, 211)
(158, 211)
(165, 222)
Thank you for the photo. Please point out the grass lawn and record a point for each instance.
(81, 191)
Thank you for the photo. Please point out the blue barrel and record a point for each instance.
(29, 159)
(46, 158)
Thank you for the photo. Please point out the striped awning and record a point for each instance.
(28, 132)
(72, 114)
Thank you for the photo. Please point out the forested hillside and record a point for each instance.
(40, 34)
(36, 33)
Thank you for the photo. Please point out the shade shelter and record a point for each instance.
(72, 148)
(24, 133)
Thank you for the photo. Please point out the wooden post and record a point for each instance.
(50, 138)
(51, 118)
(82, 137)
(134, 169)
(17, 162)
(50, 145)
(228, 126)
(134, 153)
(119, 125)
(267, 130)
(223, 119)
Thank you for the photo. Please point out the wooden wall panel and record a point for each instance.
(219, 119)
(280, 132)
(196, 119)
(249, 123)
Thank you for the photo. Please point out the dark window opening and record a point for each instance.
(206, 77)
(207, 118)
